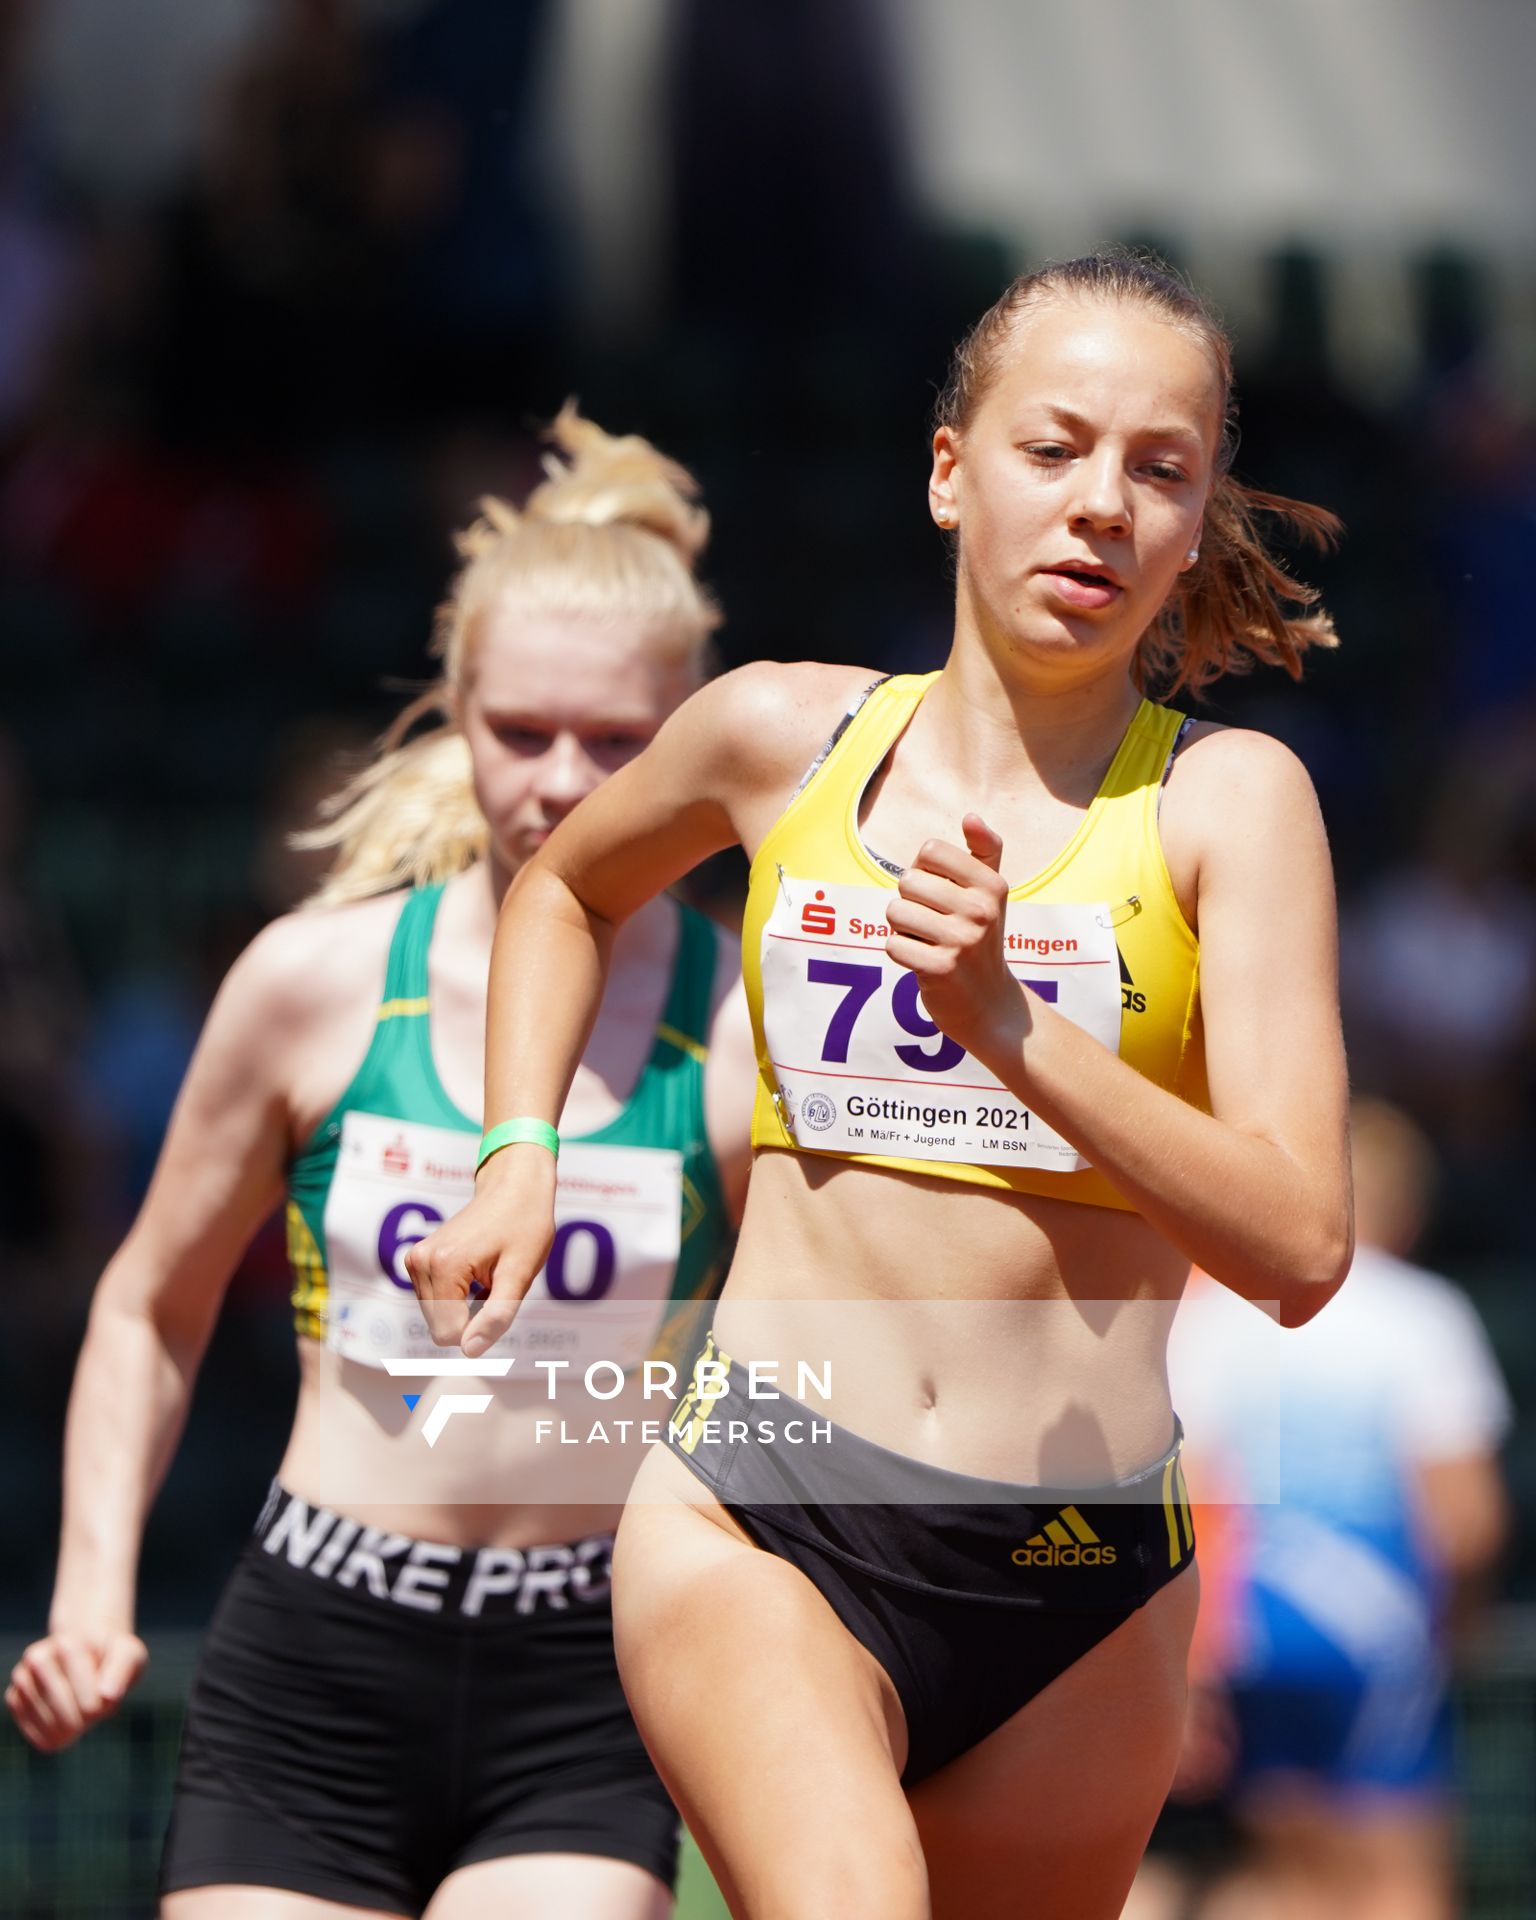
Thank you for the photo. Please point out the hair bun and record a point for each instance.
(498, 519)
(600, 479)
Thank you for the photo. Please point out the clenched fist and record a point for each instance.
(947, 926)
(493, 1248)
(66, 1682)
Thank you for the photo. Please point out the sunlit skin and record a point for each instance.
(1077, 487)
(1095, 445)
(551, 706)
(1076, 490)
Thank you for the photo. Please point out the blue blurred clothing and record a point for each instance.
(1336, 1656)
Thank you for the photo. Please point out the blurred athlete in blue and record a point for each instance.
(1384, 1415)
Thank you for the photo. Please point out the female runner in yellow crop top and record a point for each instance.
(953, 1683)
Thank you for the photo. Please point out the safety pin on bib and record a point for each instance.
(1127, 910)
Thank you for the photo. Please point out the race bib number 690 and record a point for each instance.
(602, 1293)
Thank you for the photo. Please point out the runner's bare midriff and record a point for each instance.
(999, 1334)
(490, 1481)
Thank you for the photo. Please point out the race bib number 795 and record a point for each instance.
(860, 1066)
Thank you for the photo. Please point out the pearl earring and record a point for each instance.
(1193, 555)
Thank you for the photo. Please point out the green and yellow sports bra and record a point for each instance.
(849, 1064)
(640, 1218)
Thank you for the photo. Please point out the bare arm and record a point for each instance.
(730, 1079)
(1464, 1514)
(715, 775)
(1256, 1192)
(219, 1172)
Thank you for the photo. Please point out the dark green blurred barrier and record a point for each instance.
(80, 1832)
(1496, 1753)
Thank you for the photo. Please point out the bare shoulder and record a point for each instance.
(785, 690)
(719, 772)
(1239, 802)
(297, 1009)
(772, 717)
(1229, 779)
(313, 963)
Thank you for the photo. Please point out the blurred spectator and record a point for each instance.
(1438, 957)
(461, 178)
(37, 250)
(770, 203)
(142, 1035)
(1482, 539)
(1325, 1698)
(41, 1018)
(284, 248)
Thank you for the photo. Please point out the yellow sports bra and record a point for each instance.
(848, 1062)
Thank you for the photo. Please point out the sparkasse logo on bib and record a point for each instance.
(817, 917)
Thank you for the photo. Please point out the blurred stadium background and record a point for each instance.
(285, 283)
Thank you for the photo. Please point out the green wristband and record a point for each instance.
(518, 1133)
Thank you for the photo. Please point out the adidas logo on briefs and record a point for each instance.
(1066, 1541)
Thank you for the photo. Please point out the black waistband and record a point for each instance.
(429, 1576)
(923, 1527)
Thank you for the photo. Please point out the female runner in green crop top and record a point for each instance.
(929, 1714)
(401, 1599)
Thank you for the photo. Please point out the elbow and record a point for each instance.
(126, 1318)
(1317, 1271)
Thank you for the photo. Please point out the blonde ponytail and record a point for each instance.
(613, 531)
(408, 818)
(605, 480)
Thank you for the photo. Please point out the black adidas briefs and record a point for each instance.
(972, 1594)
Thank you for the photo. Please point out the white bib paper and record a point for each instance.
(618, 1224)
(860, 1066)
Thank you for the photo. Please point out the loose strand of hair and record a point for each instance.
(1238, 607)
(408, 818)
